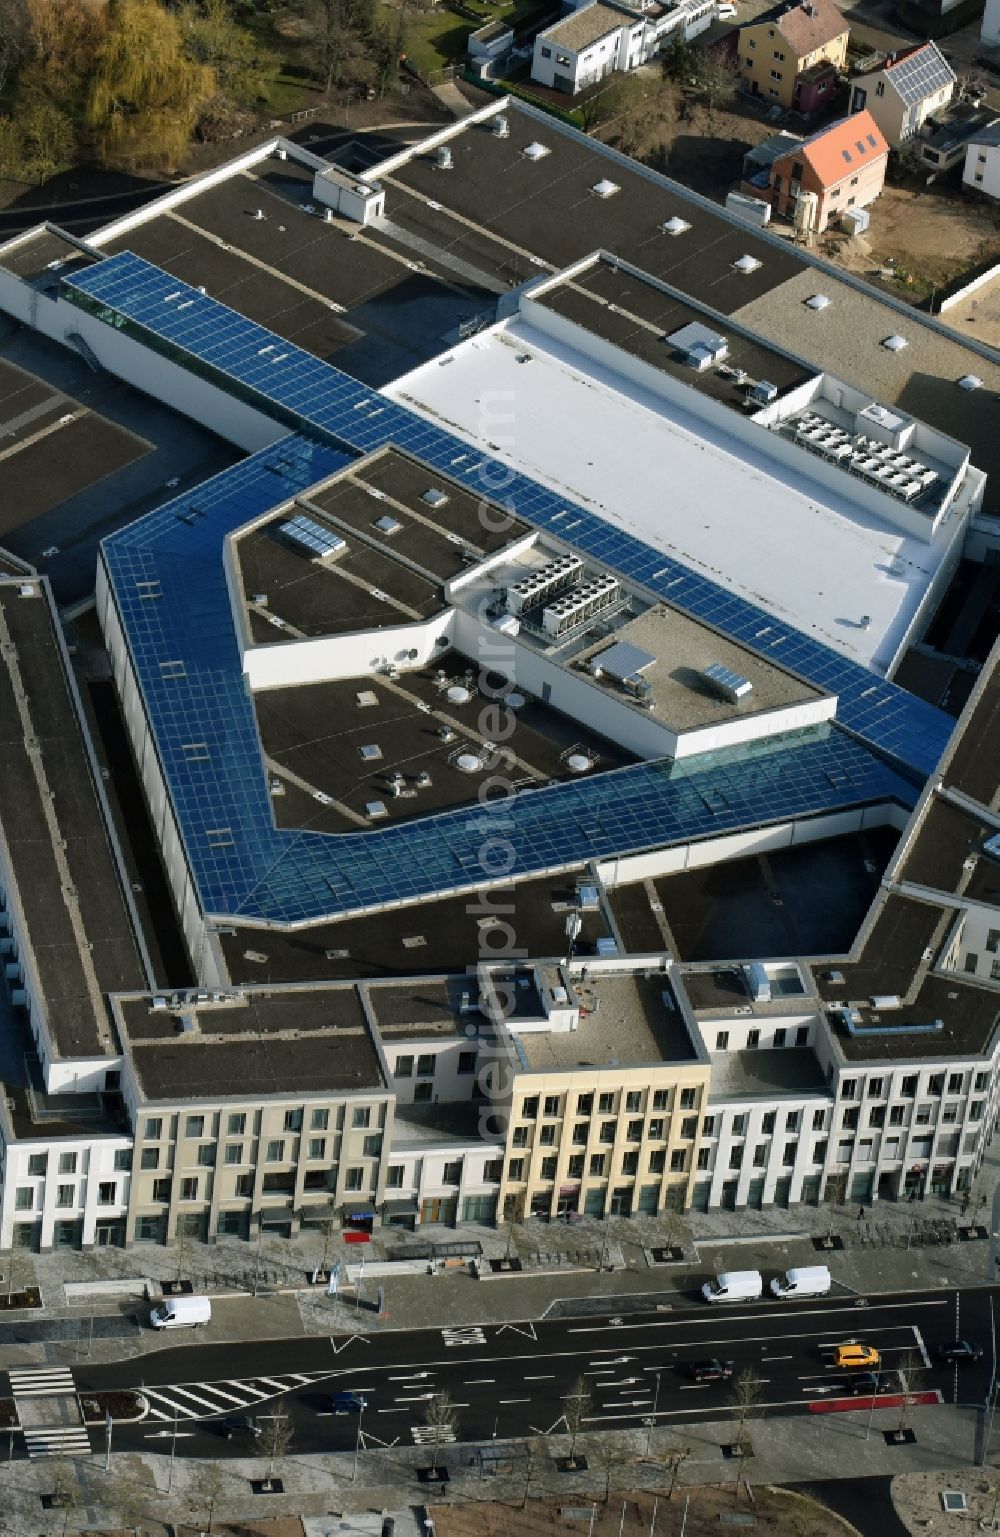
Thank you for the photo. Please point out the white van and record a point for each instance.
(181, 1313)
(734, 1286)
(808, 1281)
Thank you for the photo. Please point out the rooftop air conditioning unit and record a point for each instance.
(444, 160)
(501, 127)
(764, 391)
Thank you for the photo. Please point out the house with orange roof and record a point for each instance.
(841, 167)
(792, 54)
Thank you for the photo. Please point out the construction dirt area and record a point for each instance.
(704, 1512)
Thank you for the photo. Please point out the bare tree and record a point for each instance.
(745, 1399)
(579, 1403)
(911, 1378)
(719, 80)
(441, 1417)
(129, 1507)
(616, 1452)
(210, 1485)
(276, 1438)
(674, 1459)
(67, 1495)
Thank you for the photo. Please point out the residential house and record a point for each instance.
(953, 133)
(792, 54)
(982, 162)
(842, 166)
(582, 48)
(903, 91)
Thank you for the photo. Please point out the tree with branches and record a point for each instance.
(911, 1378)
(745, 1399)
(673, 1460)
(579, 1405)
(441, 1418)
(211, 1483)
(275, 1440)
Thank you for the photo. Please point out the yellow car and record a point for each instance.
(856, 1358)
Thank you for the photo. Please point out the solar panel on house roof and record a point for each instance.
(312, 536)
(921, 74)
(345, 415)
(623, 660)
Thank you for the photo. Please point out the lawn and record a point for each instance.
(292, 89)
(439, 36)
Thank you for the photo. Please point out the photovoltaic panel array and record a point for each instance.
(187, 661)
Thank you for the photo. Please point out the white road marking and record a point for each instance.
(549, 1377)
(777, 1358)
(514, 1400)
(471, 1380)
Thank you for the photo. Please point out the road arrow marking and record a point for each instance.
(528, 1333)
(352, 1339)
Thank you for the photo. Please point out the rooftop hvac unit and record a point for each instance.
(764, 391)
(501, 127)
(444, 161)
(729, 685)
(585, 600)
(259, 215)
(758, 982)
(543, 583)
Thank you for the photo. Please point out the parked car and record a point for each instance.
(868, 1383)
(348, 1403)
(958, 1352)
(855, 1357)
(239, 1425)
(711, 1369)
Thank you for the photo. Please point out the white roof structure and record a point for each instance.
(813, 558)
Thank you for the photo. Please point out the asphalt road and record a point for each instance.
(513, 1379)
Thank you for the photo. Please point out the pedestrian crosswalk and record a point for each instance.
(197, 1400)
(41, 1381)
(429, 1435)
(57, 1441)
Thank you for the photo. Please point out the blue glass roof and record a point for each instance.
(166, 571)
(312, 394)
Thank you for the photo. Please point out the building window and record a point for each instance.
(546, 51)
(880, 88)
(760, 1155)
(779, 1035)
(849, 1088)
(154, 1129)
(423, 1093)
(633, 1101)
(547, 1136)
(819, 1151)
(189, 1189)
(361, 1117)
(739, 1125)
(394, 1176)
(949, 1114)
(425, 1065)
(608, 1131)
(768, 1121)
(148, 1229)
(452, 1173)
(876, 1088)
(819, 1120)
(317, 1147)
(493, 1170)
(721, 1040)
(107, 1193)
(575, 1166)
(956, 1083)
(656, 1129)
(581, 1133)
(548, 1168)
(972, 959)
(530, 1107)
(404, 1067)
(657, 1160)
(704, 1157)
(688, 1097)
(935, 1083)
(521, 1135)
(876, 1115)
(844, 1150)
(736, 1157)
(551, 1106)
(466, 1062)
(355, 1179)
(634, 1131)
(776, 74)
(753, 1039)
(630, 1163)
(293, 1120)
(66, 1195)
(236, 1125)
(992, 935)
(750, 61)
(661, 1099)
(24, 1198)
(708, 1126)
(792, 1121)
(161, 1190)
(206, 1155)
(976, 1110)
(371, 1147)
(791, 1148)
(908, 1088)
(596, 1165)
(802, 1035)
(150, 1158)
(515, 1169)
(897, 1115)
(923, 1116)
(779, 56)
(244, 1184)
(982, 1082)
(849, 1120)
(194, 1126)
(67, 1163)
(275, 1151)
(234, 1152)
(38, 1163)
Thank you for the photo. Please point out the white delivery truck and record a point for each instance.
(807, 1281)
(734, 1286)
(181, 1313)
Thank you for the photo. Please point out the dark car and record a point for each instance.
(958, 1352)
(868, 1383)
(348, 1403)
(240, 1425)
(709, 1370)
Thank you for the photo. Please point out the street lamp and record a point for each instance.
(357, 1444)
(651, 1422)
